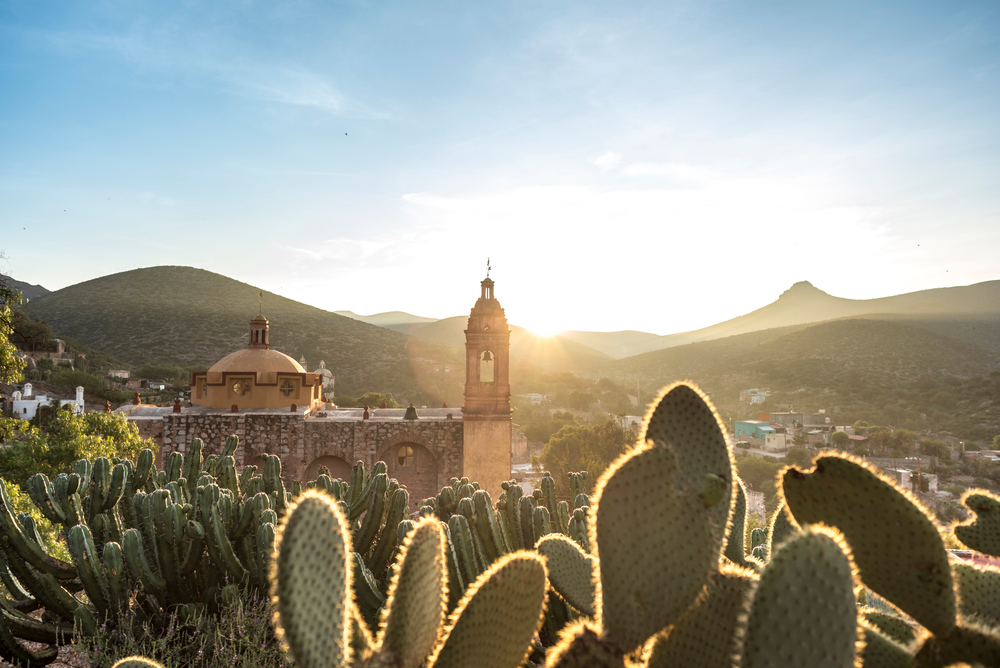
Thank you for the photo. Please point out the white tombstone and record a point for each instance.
(27, 389)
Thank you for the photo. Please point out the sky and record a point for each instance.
(656, 166)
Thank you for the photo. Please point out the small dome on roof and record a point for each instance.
(259, 318)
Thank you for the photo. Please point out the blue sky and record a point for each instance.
(655, 166)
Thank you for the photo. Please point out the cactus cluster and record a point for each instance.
(142, 542)
(653, 573)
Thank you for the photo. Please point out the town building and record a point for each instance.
(274, 406)
(26, 404)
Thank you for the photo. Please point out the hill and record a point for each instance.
(803, 304)
(938, 374)
(27, 289)
(397, 320)
(185, 316)
(527, 349)
(616, 344)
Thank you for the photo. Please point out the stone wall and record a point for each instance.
(300, 442)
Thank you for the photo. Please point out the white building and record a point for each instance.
(26, 403)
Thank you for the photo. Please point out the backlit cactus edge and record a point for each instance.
(654, 567)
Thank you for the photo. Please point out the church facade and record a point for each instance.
(276, 407)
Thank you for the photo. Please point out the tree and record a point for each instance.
(934, 447)
(11, 363)
(904, 439)
(996, 442)
(31, 335)
(880, 438)
(580, 448)
(66, 439)
(798, 457)
(581, 401)
(861, 427)
(376, 399)
(840, 439)
(800, 439)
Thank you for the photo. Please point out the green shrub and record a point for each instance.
(240, 635)
(66, 439)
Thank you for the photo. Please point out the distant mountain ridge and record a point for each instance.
(397, 320)
(184, 316)
(802, 304)
(27, 289)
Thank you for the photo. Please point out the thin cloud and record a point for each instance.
(608, 161)
(285, 84)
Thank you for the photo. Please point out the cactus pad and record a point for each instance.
(311, 583)
(494, 623)
(803, 612)
(705, 636)
(983, 533)
(418, 596)
(735, 549)
(968, 643)
(897, 547)
(882, 652)
(655, 546)
(571, 571)
(978, 592)
(892, 626)
(685, 421)
(781, 527)
(580, 646)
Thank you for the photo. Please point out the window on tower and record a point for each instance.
(487, 367)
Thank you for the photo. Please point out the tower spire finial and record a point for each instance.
(260, 303)
(487, 267)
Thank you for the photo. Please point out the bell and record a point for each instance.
(487, 357)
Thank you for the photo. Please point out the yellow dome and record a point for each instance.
(265, 363)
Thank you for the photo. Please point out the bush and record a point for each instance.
(799, 457)
(239, 635)
(66, 439)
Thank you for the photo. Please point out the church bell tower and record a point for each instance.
(486, 414)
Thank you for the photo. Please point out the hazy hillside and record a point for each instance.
(182, 315)
(27, 289)
(803, 304)
(932, 374)
(616, 344)
(397, 320)
(554, 353)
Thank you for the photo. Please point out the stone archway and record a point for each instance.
(414, 466)
(339, 468)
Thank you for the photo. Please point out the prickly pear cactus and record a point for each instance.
(571, 571)
(982, 533)
(684, 420)
(706, 635)
(493, 625)
(898, 548)
(311, 583)
(812, 566)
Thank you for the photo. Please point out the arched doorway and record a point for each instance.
(339, 468)
(414, 466)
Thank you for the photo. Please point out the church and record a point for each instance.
(276, 407)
